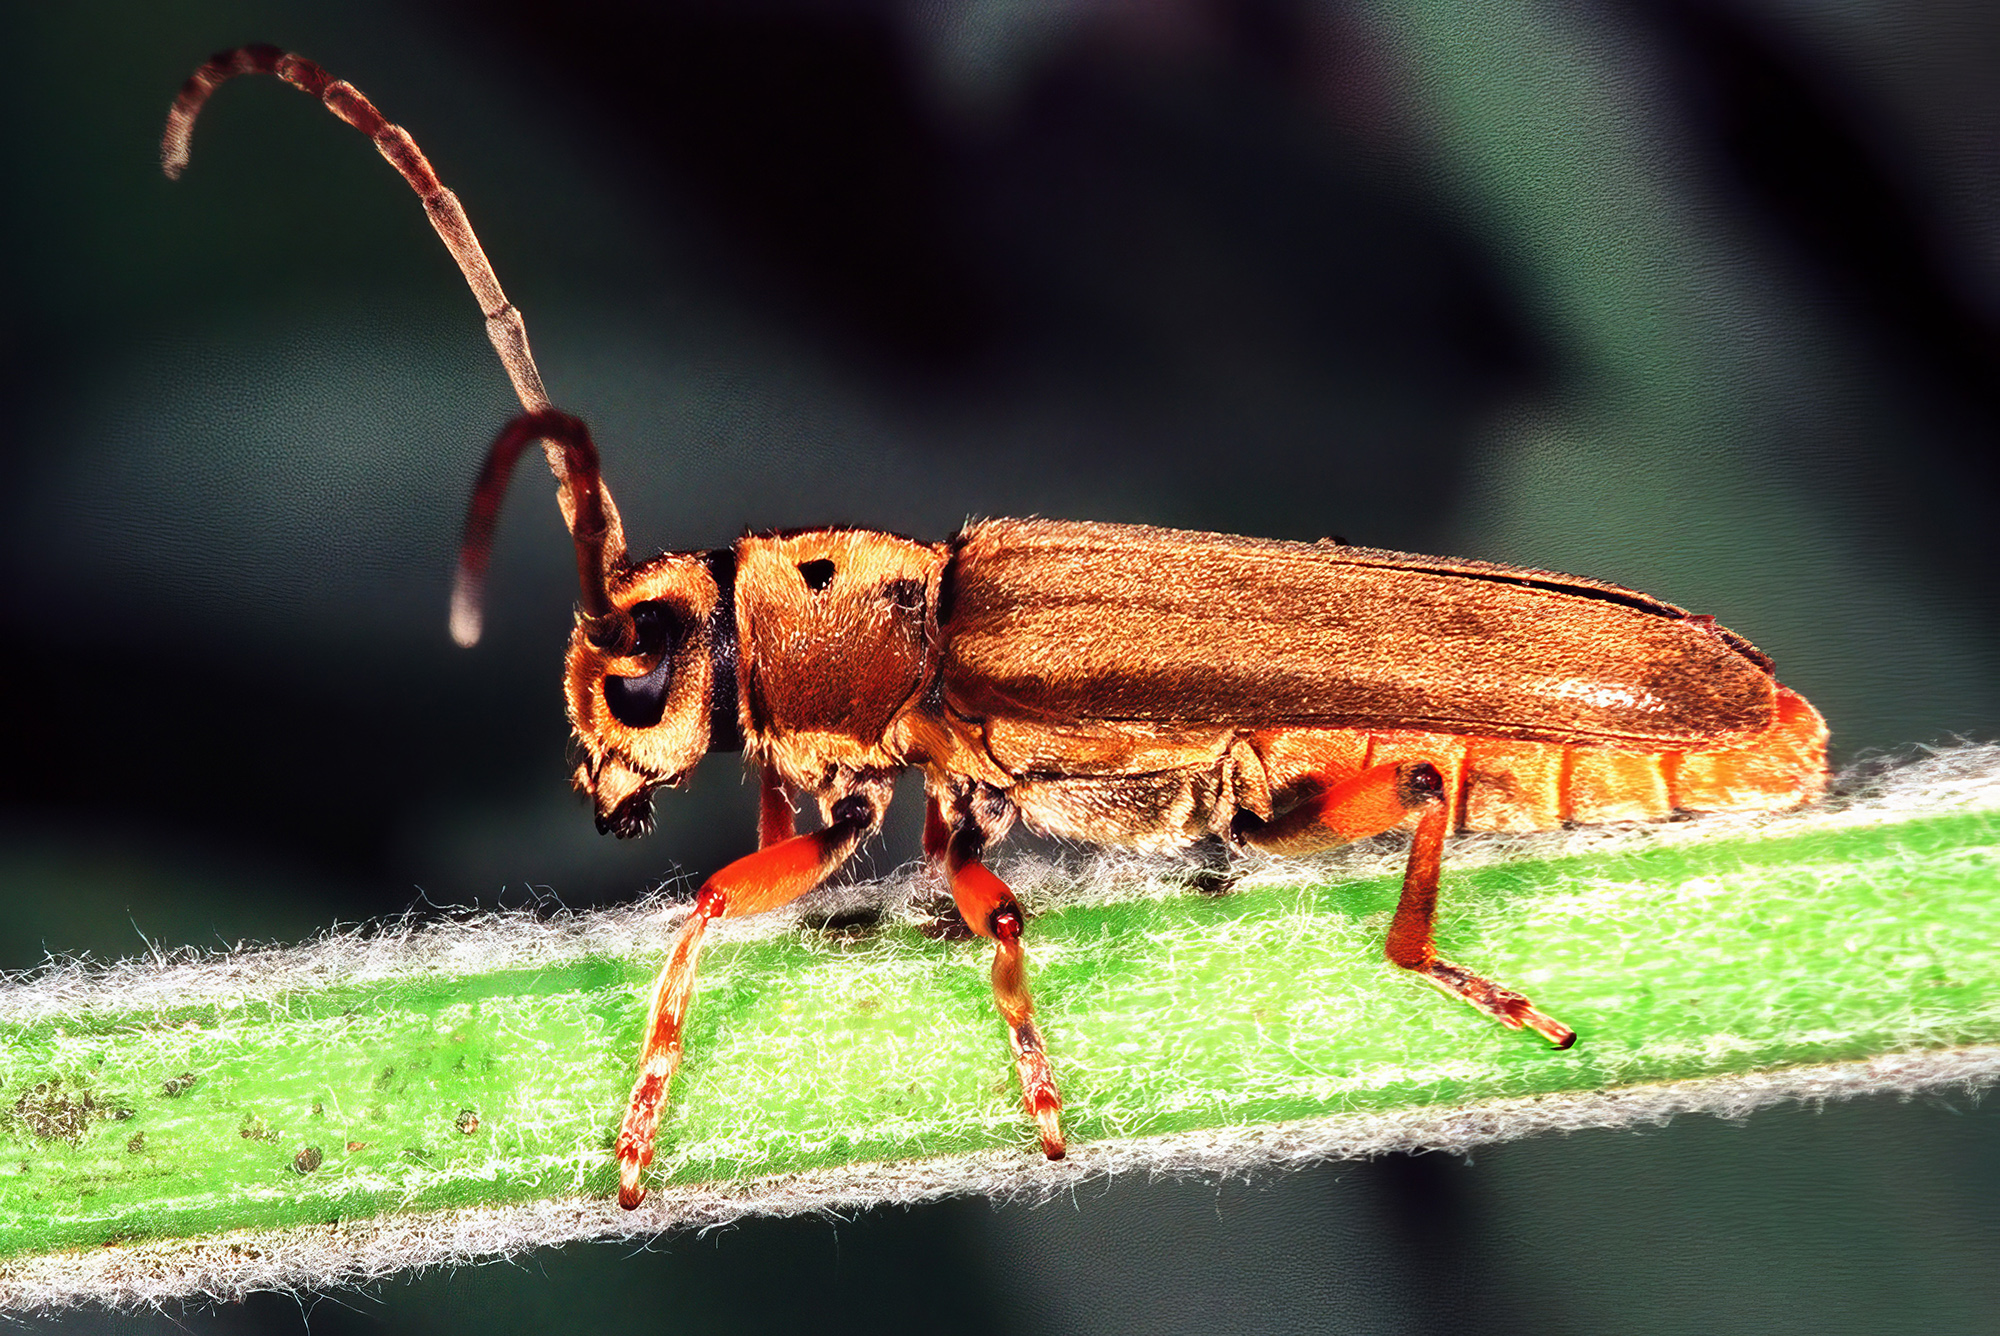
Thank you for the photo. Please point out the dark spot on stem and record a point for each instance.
(52, 1112)
(938, 919)
(851, 924)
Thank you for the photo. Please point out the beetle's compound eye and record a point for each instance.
(817, 574)
(639, 702)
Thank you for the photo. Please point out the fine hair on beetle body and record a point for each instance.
(1112, 684)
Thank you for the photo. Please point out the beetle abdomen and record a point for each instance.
(1495, 784)
(1503, 785)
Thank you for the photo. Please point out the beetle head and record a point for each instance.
(640, 679)
(641, 710)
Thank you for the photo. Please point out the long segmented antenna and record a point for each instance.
(585, 502)
(606, 626)
(503, 322)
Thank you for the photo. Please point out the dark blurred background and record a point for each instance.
(1698, 297)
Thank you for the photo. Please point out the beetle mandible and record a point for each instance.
(1099, 682)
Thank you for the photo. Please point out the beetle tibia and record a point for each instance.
(1031, 1057)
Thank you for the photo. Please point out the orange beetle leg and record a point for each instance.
(765, 880)
(672, 991)
(1378, 799)
(1411, 944)
(775, 819)
(991, 910)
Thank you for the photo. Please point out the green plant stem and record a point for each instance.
(485, 1064)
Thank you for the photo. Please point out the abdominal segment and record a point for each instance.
(1494, 784)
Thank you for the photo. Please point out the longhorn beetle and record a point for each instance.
(1099, 682)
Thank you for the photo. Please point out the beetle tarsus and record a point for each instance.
(1212, 873)
(1503, 1004)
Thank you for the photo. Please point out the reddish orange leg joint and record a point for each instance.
(991, 910)
(1411, 945)
(767, 879)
